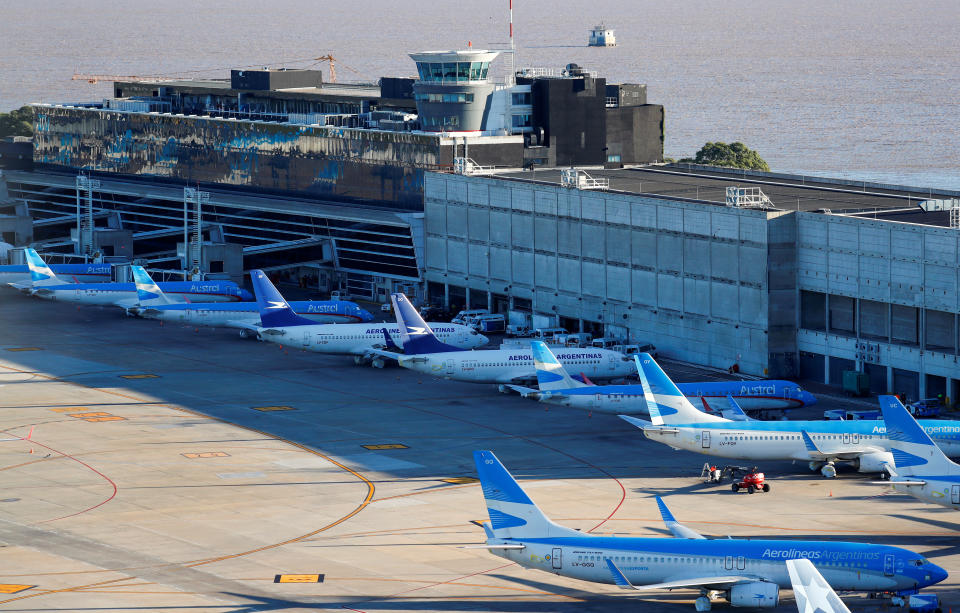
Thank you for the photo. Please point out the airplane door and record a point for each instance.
(728, 563)
(306, 338)
(741, 563)
(955, 494)
(888, 565)
(705, 439)
(846, 438)
(556, 559)
(449, 364)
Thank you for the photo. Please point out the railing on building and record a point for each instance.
(743, 197)
(536, 71)
(612, 102)
(574, 178)
(466, 166)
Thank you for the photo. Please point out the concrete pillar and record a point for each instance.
(890, 389)
(826, 369)
(446, 295)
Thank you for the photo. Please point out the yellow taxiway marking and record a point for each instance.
(460, 480)
(13, 588)
(105, 418)
(86, 415)
(207, 454)
(385, 446)
(68, 409)
(147, 376)
(274, 408)
(23, 349)
(298, 579)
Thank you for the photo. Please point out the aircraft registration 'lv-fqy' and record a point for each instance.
(423, 352)
(749, 572)
(862, 443)
(370, 342)
(45, 284)
(920, 468)
(243, 315)
(556, 386)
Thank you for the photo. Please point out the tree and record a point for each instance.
(734, 155)
(18, 122)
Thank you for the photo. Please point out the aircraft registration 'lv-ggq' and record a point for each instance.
(366, 342)
(749, 572)
(424, 353)
(556, 386)
(45, 284)
(243, 315)
(862, 443)
(920, 468)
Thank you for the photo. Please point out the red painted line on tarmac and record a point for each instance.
(81, 462)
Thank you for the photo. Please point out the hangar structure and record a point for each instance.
(771, 274)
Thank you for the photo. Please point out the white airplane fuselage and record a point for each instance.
(514, 365)
(944, 491)
(358, 339)
(92, 295)
(247, 316)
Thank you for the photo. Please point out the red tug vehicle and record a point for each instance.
(752, 481)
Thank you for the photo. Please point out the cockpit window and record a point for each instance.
(919, 562)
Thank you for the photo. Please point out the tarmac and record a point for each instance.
(172, 468)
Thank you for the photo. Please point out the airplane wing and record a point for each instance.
(381, 353)
(504, 546)
(811, 591)
(526, 392)
(678, 529)
(272, 331)
(848, 453)
(127, 304)
(243, 325)
(621, 581)
(894, 482)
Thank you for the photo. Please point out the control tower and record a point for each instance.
(453, 92)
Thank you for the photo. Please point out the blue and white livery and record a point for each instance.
(811, 591)
(70, 273)
(425, 353)
(368, 343)
(45, 284)
(243, 315)
(750, 573)
(556, 386)
(862, 443)
(920, 468)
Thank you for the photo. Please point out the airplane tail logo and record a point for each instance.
(910, 444)
(512, 513)
(274, 310)
(416, 336)
(551, 375)
(40, 273)
(664, 400)
(148, 292)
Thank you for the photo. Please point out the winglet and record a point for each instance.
(808, 443)
(29, 434)
(675, 527)
(811, 591)
(619, 579)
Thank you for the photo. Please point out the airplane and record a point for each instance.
(920, 468)
(423, 352)
(556, 386)
(70, 273)
(862, 443)
(243, 315)
(750, 572)
(368, 343)
(811, 591)
(45, 284)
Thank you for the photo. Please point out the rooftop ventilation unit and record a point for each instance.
(578, 179)
(743, 197)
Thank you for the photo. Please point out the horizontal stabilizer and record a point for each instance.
(495, 546)
(676, 528)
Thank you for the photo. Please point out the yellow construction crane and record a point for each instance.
(333, 65)
(96, 78)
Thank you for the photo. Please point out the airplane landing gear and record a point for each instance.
(702, 603)
(244, 333)
(815, 466)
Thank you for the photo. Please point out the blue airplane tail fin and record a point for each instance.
(512, 513)
(40, 273)
(667, 405)
(274, 310)
(913, 450)
(551, 375)
(415, 335)
(148, 292)
(734, 411)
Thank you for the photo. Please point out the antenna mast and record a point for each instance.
(513, 52)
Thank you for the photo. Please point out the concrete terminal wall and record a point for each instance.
(329, 162)
(691, 278)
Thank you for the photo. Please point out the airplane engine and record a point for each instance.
(874, 462)
(756, 594)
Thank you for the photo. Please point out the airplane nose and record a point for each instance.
(807, 398)
(937, 574)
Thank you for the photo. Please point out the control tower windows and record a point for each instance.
(456, 72)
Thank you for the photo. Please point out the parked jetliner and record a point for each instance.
(243, 315)
(424, 353)
(750, 572)
(366, 342)
(811, 591)
(921, 468)
(70, 273)
(862, 443)
(556, 386)
(45, 284)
